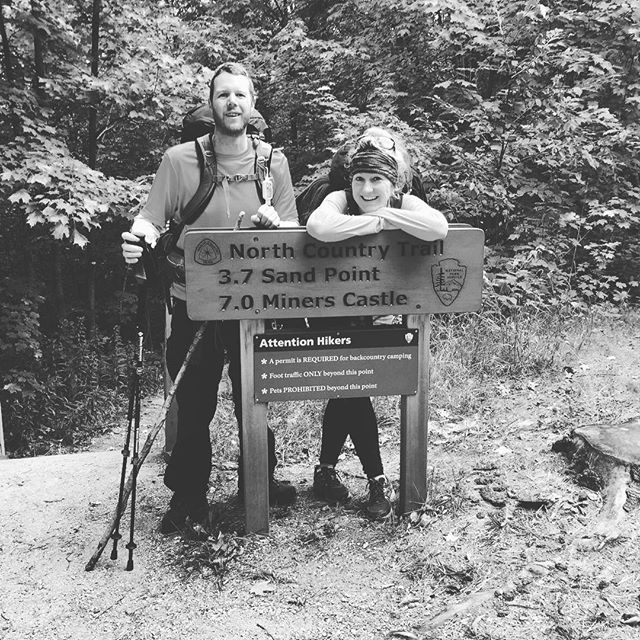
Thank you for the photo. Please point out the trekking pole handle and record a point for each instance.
(140, 269)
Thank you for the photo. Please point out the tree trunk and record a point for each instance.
(92, 159)
(38, 48)
(93, 136)
(91, 313)
(6, 50)
(58, 284)
(9, 74)
(95, 59)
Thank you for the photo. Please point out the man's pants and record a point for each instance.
(189, 466)
(351, 417)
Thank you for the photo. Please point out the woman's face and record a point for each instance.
(371, 191)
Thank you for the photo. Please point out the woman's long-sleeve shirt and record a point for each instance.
(330, 222)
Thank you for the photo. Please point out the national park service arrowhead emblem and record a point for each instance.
(408, 338)
(448, 278)
(207, 252)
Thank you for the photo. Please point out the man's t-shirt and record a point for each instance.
(177, 180)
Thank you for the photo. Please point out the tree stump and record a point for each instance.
(606, 458)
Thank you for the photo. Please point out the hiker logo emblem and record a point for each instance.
(207, 253)
(448, 278)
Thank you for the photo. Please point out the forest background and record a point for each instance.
(521, 116)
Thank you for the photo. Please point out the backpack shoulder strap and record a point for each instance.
(352, 207)
(200, 199)
(396, 201)
(208, 167)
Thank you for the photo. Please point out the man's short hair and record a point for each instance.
(235, 69)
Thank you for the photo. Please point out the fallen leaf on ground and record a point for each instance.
(632, 619)
(495, 495)
(538, 569)
(469, 603)
(261, 588)
(403, 634)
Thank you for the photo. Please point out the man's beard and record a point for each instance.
(222, 127)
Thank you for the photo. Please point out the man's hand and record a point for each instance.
(266, 218)
(139, 229)
(130, 251)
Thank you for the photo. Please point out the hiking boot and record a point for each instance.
(281, 493)
(181, 508)
(174, 520)
(380, 495)
(327, 486)
(199, 510)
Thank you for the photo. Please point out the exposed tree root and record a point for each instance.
(605, 458)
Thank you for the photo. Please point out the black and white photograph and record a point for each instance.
(320, 319)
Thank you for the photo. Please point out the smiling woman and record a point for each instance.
(374, 202)
(374, 175)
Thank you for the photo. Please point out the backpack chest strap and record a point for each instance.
(241, 177)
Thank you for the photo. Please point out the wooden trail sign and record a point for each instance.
(259, 275)
(241, 275)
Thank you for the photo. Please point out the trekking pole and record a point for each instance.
(134, 460)
(116, 536)
(133, 421)
(145, 450)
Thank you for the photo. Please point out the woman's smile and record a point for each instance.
(371, 191)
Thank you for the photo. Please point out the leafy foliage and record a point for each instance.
(75, 391)
(20, 347)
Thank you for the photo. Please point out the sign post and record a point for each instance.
(254, 437)
(414, 414)
(254, 275)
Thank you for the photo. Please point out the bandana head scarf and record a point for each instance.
(370, 159)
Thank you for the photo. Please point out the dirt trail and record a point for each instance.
(472, 570)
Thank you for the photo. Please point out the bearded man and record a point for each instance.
(232, 98)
